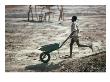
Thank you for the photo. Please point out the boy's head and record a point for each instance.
(74, 18)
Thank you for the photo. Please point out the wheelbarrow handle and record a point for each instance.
(66, 39)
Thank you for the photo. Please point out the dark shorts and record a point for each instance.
(74, 38)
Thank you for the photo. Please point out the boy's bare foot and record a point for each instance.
(69, 56)
(91, 47)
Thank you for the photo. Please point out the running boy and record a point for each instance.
(74, 37)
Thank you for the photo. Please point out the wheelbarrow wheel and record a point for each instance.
(45, 57)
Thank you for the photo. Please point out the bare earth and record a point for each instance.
(23, 39)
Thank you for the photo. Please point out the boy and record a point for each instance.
(74, 37)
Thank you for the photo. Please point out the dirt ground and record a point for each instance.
(23, 39)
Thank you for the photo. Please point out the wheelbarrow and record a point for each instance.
(47, 49)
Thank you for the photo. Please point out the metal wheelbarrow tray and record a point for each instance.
(49, 48)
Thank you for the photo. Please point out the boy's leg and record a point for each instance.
(71, 47)
(81, 45)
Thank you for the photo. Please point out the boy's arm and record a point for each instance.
(77, 27)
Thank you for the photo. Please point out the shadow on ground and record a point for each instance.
(43, 67)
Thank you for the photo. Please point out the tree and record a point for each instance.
(36, 9)
(61, 15)
(30, 13)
